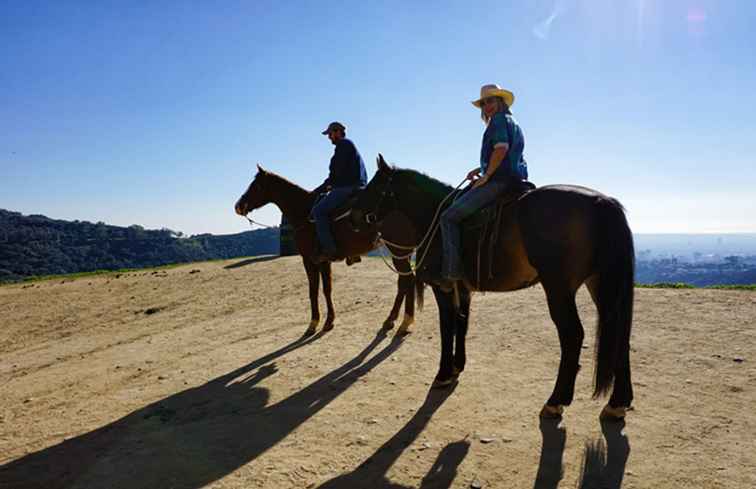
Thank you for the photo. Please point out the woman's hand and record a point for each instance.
(473, 174)
(480, 182)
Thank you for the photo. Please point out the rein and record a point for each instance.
(429, 235)
(253, 222)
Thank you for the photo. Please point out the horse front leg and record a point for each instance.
(446, 317)
(326, 275)
(313, 278)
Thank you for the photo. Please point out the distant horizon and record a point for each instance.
(277, 224)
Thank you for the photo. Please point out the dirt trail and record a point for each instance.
(197, 376)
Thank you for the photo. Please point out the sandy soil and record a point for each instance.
(197, 376)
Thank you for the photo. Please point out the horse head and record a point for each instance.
(257, 194)
(376, 200)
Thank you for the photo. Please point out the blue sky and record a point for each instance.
(155, 113)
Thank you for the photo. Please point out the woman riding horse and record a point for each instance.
(562, 236)
(501, 164)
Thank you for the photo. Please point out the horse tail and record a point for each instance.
(419, 293)
(615, 256)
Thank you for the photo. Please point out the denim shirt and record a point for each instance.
(504, 129)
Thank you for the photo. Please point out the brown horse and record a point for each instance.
(561, 236)
(295, 203)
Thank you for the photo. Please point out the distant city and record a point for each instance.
(695, 248)
(696, 259)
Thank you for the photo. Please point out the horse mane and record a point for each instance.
(425, 183)
(286, 181)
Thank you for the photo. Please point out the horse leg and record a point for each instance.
(406, 284)
(326, 275)
(622, 392)
(313, 277)
(462, 318)
(564, 313)
(389, 322)
(446, 321)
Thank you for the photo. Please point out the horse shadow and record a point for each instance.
(372, 472)
(250, 261)
(603, 464)
(194, 437)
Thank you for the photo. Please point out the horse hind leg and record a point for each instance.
(405, 291)
(326, 275)
(394, 313)
(313, 278)
(563, 311)
(622, 390)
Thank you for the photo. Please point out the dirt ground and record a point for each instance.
(197, 376)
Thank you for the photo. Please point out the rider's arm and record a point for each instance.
(500, 140)
(498, 155)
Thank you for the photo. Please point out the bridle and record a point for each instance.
(371, 218)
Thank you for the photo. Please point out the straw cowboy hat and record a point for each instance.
(494, 90)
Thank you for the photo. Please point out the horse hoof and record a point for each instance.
(388, 324)
(404, 327)
(456, 371)
(313, 327)
(613, 414)
(441, 384)
(401, 333)
(327, 327)
(551, 412)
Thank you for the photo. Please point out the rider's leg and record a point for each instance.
(321, 211)
(461, 209)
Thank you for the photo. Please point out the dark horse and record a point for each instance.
(561, 236)
(295, 203)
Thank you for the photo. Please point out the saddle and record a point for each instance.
(339, 213)
(479, 233)
(491, 213)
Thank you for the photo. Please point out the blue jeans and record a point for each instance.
(462, 208)
(321, 211)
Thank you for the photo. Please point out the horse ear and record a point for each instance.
(382, 165)
(260, 168)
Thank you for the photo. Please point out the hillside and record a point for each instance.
(37, 245)
(197, 376)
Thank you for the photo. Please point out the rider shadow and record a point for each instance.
(603, 464)
(194, 437)
(372, 472)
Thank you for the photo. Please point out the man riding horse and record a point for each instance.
(346, 174)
